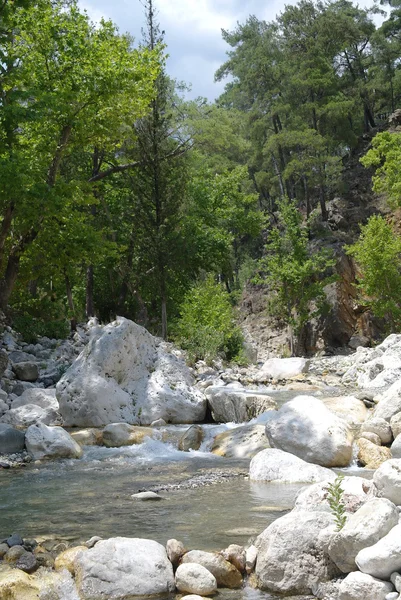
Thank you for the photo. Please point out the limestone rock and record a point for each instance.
(370, 455)
(17, 585)
(292, 553)
(395, 424)
(11, 440)
(359, 586)
(372, 437)
(123, 567)
(396, 447)
(275, 465)
(66, 559)
(241, 442)
(194, 578)
(87, 437)
(364, 528)
(283, 368)
(26, 371)
(127, 375)
(349, 408)
(235, 554)
(236, 405)
(30, 414)
(306, 428)
(116, 435)
(175, 550)
(387, 479)
(379, 426)
(225, 573)
(355, 492)
(44, 442)
(251, 555)
(191, 439)
(384, 557)
(389, 403)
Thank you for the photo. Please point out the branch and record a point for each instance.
(114, 169)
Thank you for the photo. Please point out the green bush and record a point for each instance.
(206, 328)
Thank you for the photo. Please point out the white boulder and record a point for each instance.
(121, 568)
(292, 553)
(283, 368)
(44, 442)
(30, 414)
(240, 442)
(195, 579)
(306, 428)
(360, 586)
(396, 447)
(355, 492)
(225, 573)
(380, 427)
(275, 465)
(384, 557)
(364, 528)
(45, 398)
(127, 375)
(389, 402)
(387, 479)
(237, 405)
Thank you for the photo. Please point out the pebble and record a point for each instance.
(14, 540)
(27, 563)
(14, 554)
(146, 496)
(396, 581)
(392, 596)
(92, 541)
(3, 549)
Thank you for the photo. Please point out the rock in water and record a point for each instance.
(275, 465)
(127, 375)
(44, 442)
(11, 440)
(306, 428)
(122, 568)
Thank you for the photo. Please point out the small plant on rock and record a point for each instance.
(335, 500)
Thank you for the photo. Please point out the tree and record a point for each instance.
(293, 273)
(68, 86)
(378, 255)
(385, 155)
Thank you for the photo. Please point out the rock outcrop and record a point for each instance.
(127, 375)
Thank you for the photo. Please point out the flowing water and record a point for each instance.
(76, 499)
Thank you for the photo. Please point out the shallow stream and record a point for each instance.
(77, 499)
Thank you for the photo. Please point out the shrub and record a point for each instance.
(206, 328)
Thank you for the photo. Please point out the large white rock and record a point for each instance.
(306, 428)
(283, 368)
(384, 557)
(282, 467)
(29, 414)
(195, 579)
(379, 426)
(127, 375)
(359, 586)
(292, 553)
(389, 403)
(364, 528)
(376, 367)
(349, 408)
(231, 405)
(121, 568)
(240, 442)
(355, 492)
(50, 442)
(396, 447)
(45, 398)
(387, 479)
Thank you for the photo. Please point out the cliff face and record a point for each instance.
(347, 324)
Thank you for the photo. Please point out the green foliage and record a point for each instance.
(206, 328)
(378, 255)
(385, 156)
(294, 274)
(335, 500)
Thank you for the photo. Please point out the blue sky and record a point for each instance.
(193, 32)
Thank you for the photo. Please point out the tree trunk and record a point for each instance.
(163, 295)
(71, 306)
(89, 306)
(7, 282)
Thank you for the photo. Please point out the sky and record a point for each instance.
(192, 32)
